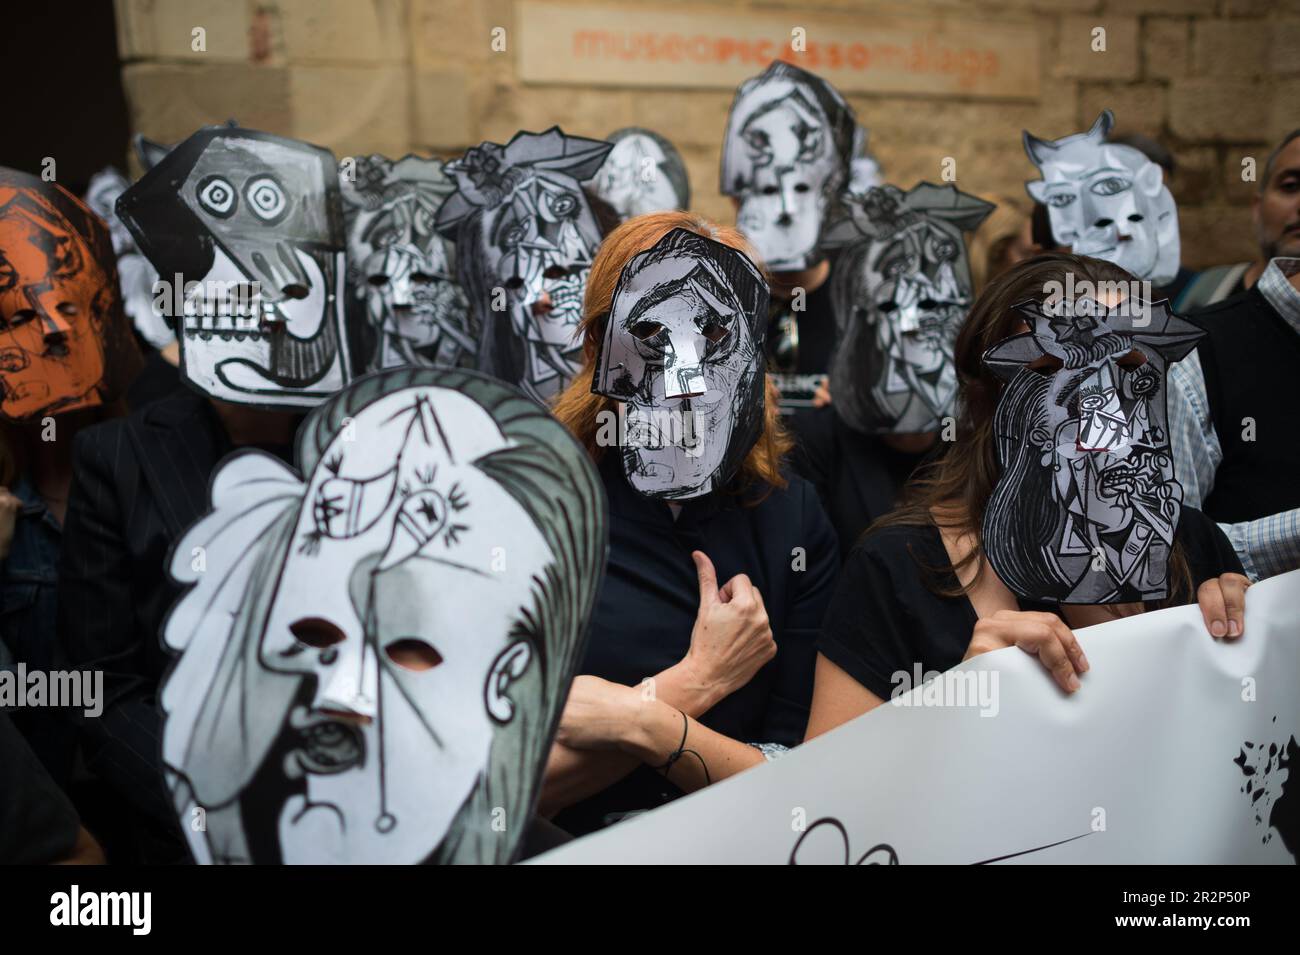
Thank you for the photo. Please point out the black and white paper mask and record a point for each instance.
(525, 238)
(785, 157)
(1107, 201)
(376, 648)
(901, 289)
(401, 272)
(134, 273)
(683, 352)
(643, 173)
(1087, 503)
(246, 231)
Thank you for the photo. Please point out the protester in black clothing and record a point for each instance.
(716, 599)
(139, 482)
(918, 590)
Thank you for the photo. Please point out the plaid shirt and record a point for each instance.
(1268, 545)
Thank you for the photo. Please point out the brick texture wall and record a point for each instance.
(1217, 81)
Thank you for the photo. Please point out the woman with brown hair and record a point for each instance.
(1055, 508)
(687, 681)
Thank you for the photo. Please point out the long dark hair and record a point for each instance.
(953, 491)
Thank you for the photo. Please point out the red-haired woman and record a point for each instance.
(714, 598)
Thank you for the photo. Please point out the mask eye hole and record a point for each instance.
(514, 283)
(770, 190)
(316, 632)
(266, 198)
(556, 272)
(422, 278)
(217, 197)
(646, 330)
(412, 653)
(714, 331)
(803, 187)
(377, 280)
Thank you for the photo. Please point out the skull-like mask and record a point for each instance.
(1107, 201)
(401, 274)
(901, 290)
(525, 239)
(246, 230)
(683, 352)
(785, 157)
(1087, 503)
(64, 340)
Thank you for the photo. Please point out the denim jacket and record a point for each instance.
(28, 583)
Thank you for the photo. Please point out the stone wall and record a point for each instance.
(1216, 80)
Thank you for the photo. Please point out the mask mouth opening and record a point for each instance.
(324, 743)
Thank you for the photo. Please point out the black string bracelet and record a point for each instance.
(681, 751)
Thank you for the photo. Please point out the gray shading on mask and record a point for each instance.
(683, 354)
(292, 729)
(1087, 503)
(404, 306)
(900, 291)
(643, 173)
(248, 226)
(136, 277)
(525, 237)
(1107, 201)
(785, 158)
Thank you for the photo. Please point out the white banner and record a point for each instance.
(1177, 749)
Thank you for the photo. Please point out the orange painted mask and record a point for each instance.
(64, 341)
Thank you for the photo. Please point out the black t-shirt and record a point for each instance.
(650, 596)
(799, 344)
(37, 822)
(885, 619)
(857, 476)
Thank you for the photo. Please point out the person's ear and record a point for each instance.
(509, 666)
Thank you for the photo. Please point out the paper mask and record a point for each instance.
(401, 276)
(643, 173)
(376, 649)
(65, 343)
(147, 151)
(683, 352)
(246, 231)
(525, 238)
(1107, 201)
(1087, 503)
(136, 277)
(785, 157)
(900, 291)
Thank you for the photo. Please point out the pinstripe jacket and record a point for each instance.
(138, 482)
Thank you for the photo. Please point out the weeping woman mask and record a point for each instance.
(375, 651)
(401, 275)
(900, 289)
(683, 352)
(785, 158)
(1086, 506)
(1107, 201)
(525, 236)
